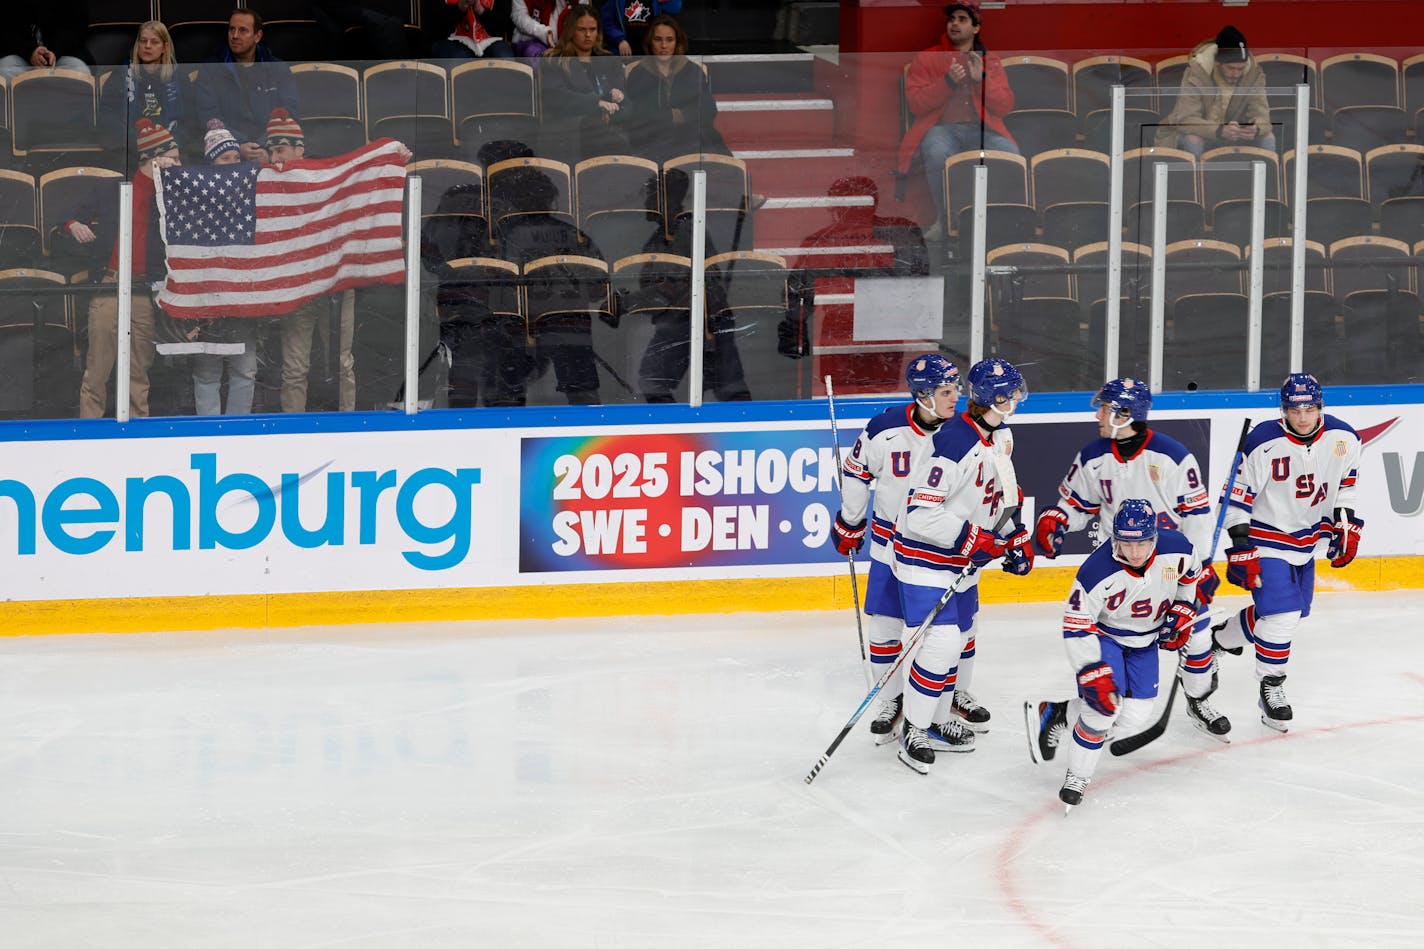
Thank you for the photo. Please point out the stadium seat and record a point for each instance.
(729, 222)
(1003, 224)
(1277, 254)
(1321, 349)
(1139, 129)
(20, 243)
(1039, 82)
(38, 377)
(619, 203)
(1328, 220)
(1186, 220)
(1331, 172)
(1139, 171)
(758, 302)
(330, 98)
(1370, 264)
(1366, 127)
(1094, 77)
(1285, 71)
(503, 177)
(1069, 175)
(492, 99)
(1073, 224)
(198, 27)
(1091, 263)
(113, 27)
(409, 101)
(1041, 130)
(1046, 339)
(1046, 273)
(1203, 349)
(1394, 171)
(1168, 74)
(1223, 180)
(1354, 79)
(52, 116)
(62, 195)
(1232, 221)
(1202, 266)
(290, 30)
(1008, 180)
(1403, 219)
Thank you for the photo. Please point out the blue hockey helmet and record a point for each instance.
(1134, 521)
(1125, 396)
(1301, 388)
(928, 372)
(995, 384)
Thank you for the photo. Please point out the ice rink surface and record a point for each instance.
(638, 783)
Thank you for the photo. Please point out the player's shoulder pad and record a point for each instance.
(1333, 424)
(1095, 449)
(956, 438)
(1164, 444)
(897, 416)
(1263, 433)
(1100, 565)
(1173, 542)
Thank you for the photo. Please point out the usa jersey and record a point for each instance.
(958, 486)
(1162, 472)
(1287, 489)
(1109, 598)
(885, 456)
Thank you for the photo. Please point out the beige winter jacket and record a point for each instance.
(1206, 102)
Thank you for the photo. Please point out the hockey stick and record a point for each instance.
(1009, 480)
(1151, 733)
(850, 554)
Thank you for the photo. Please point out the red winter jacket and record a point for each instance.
(927, 93)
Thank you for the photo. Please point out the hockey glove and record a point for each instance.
(1176, 626)
(846, 538)
(1097, 688)
(1345, 538)
(979, 545)
(1243, 565)
(1207, 585)
(1048, 532)
(1018, 553)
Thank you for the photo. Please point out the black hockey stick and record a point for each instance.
(1126, 746)
(850, 554)
(1010, 487)
(1154, 731)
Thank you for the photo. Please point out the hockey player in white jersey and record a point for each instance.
(1134, 595)
(944, 527)
(1129, 459)
(886, 455)
(1295, 487)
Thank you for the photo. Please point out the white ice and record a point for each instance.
(638, 783)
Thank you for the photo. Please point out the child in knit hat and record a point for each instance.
(220, 146)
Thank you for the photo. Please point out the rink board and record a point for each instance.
(367, 517)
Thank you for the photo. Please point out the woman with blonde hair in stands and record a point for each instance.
(150, 88)
(582, 88)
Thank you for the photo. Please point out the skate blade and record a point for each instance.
(1031, 726)
(919, 767)
(885, 739)
(940, 746)
(1201, 727)
(1275, 725)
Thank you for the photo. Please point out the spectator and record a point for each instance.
(480, 28)
(1222, 100)
(221, 148)
(666, 359)
(567, 342)
(149, 88)
(959, 95)
(243, 86)
(625, 22)
(582, 91)
(670, 104)
(47, 35)
(537, 25)
(96, 227)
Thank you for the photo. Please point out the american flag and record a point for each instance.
(255, 240)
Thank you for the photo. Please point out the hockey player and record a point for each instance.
(1132, 596)
(886, 455)
(945, 526)
(1131, 460)
(1296, 486)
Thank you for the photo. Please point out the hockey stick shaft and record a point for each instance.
(1226, 491)
(850, 555)
(906, 649)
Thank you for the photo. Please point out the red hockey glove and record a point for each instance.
(1096, 686)
(1176, 626)
(1243, 566)
(1048, 532)
(1207, 585)
(1018, 553)
(979, 545)
(846, 538)
(1344, 540)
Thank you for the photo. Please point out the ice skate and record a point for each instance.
(1275, 708)
(1047, 724)
(1071, 793)
(952, 735)
(970, 711)
(1207, 719)
(915, 749)
(885, 725)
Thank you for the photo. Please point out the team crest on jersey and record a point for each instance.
(637, 12)
(1341, 448)
(1169, 574)
(1155, 473)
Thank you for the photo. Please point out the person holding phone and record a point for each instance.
(1222, 99)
